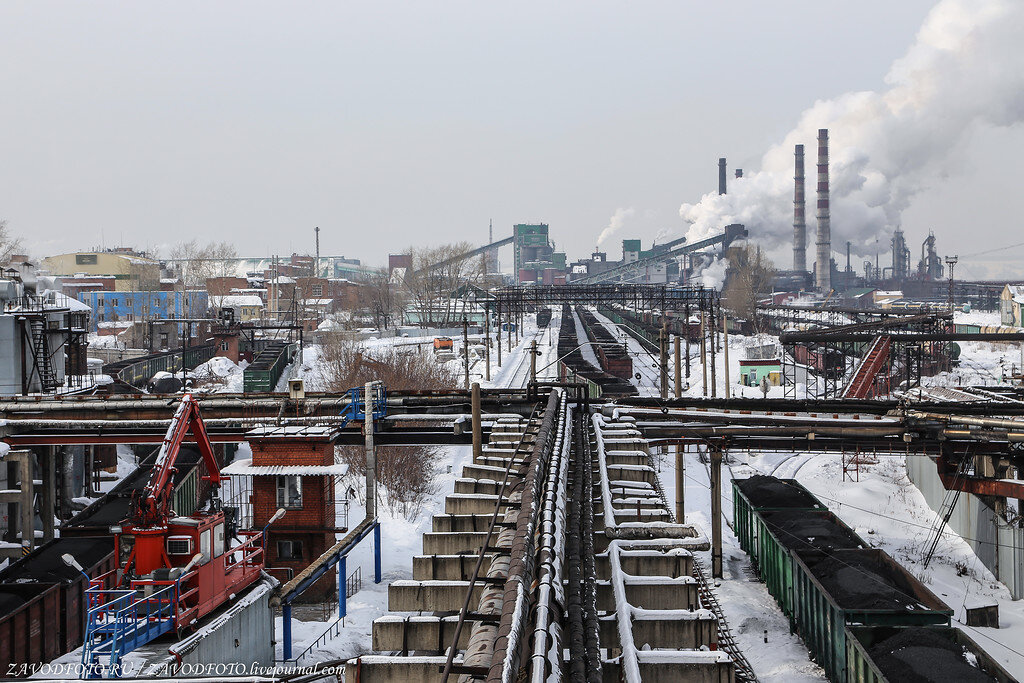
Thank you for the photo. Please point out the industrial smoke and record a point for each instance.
(965, 69)
(617, 220)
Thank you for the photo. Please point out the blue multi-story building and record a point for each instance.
(144, 306)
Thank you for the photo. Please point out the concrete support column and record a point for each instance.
(48, 494)
(715, 452)
(478, 432)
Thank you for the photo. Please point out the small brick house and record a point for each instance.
(293, 468)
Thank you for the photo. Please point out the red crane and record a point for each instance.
(175, 569)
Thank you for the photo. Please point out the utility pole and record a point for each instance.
(687, 328)
(316, 264)
(533, 361)
(498, 335)
(951, 261)
(703, 354)
(663, 360)
(713, 334)
(487, 344)
(725, 349)
(716, 510)
(679, 371)
(371, 453)
(680, 482)
(478, 434)
(465, 347)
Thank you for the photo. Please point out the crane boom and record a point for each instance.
(154, 504)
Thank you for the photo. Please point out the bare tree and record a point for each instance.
(385, 299)
(196, 262)
(437, 273)
(750, 275)
(407, 474)
(9, 245)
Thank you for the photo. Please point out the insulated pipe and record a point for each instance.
(965, 420)
(547, 632)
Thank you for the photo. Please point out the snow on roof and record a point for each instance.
(235, 300)
(1015, 290)
(317, 302)
(245, 467)
(65, 301)
(169, 280)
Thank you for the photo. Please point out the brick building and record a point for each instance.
(293, 468)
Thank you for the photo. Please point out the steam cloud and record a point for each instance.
(964, 70)
(617, 220)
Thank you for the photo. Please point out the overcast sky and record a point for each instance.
(394, 124)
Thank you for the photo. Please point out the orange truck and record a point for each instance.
(442, 344)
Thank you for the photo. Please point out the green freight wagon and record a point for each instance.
(779, 532)
(760, 493)
(891, 654)
(855, 587)
(266, 369)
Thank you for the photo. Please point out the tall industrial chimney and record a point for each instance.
(739, 172)
(823, 265)
(721, 176)
(799, 222)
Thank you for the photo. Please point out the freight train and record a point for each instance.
(863, 617)
(573, 367)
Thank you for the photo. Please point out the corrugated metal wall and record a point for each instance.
(999, 546)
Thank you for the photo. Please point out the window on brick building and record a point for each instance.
(318, 290)
(289, 492)
(289, 550)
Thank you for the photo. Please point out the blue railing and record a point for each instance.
(120, 621)
(355, 410)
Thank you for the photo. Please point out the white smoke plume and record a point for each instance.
(964, 70)
(712, 273)
(617, 220)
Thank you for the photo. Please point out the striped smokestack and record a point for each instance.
(799, 222)
(721, 176)
(823, 265)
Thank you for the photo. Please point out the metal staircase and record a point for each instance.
(41, 354)
(862, 384)
(120, 621)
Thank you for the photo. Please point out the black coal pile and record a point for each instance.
(920, 655)
(769, 492)
(111, 512)
(803, 529)
(859, 582)
(46, 566)
(10, 602)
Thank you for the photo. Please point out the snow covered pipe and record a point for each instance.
(547, 634)
(507, 650)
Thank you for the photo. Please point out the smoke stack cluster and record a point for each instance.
(799, 221)
(823, 266)
(721, 176)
